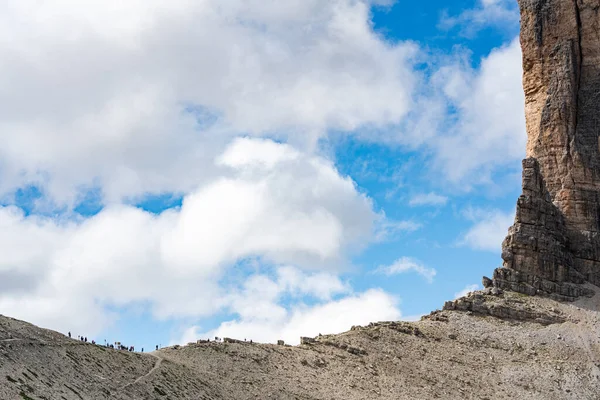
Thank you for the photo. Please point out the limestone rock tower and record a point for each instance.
(554, 245)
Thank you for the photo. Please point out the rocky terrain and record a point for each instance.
(532, 333)
(502, 346)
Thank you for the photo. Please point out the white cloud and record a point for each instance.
(301, 320)
(469, 122)
(502, 14)
(388, 229)
(487, 128)
(298, 211)
(139, 96)
(248, 153)
(260, 297)
(489, 230)
(406, 264)
(319, 285)
(428, 199)
(468, 289)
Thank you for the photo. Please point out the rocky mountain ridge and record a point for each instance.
(487, 346)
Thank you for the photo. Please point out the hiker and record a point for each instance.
(69, 335)
(142, 349)
(86, 339)
(156, 347)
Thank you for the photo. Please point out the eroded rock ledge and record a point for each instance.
(537, 255)
(496, 305)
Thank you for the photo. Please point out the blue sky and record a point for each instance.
(256, 170)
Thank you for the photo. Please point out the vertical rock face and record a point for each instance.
(554, 245)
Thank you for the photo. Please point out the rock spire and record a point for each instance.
(554, 245)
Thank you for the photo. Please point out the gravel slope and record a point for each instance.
(447, 355)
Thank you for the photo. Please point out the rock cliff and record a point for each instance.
(554, 245)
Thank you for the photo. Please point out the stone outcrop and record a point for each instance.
(307, 340)
(554, 245)
(480, 304)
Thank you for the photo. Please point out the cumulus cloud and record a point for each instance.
(482, 127)
(321, 285)
(389, 229)
(489, 230)
(406, 264)
(428, 199)
(497, 13)
(139, 97)
(303, 320)
(467, 122)
(295, 210)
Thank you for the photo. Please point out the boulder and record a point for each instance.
(307, 340)
(487, 282)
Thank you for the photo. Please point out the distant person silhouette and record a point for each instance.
(156, 347)
(69, 335)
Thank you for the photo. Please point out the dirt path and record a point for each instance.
(159, 361)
